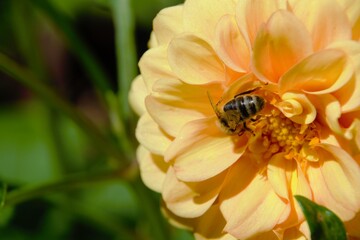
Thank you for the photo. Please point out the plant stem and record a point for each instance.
(66, 184)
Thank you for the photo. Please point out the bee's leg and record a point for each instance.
(248, 129)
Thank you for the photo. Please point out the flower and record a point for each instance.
(303, 59)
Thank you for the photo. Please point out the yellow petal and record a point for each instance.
(328, 111)
(153, 169)
(251, 14)
(279, 45)
(137, 94)
(248, 203)
(202, 150)
(200, 17)
(168, 23)
(352, 9)
(335, 181)
(190, 200)
(323, 72)
(325, 20)
(151, 136)
(194, 61)
(154, 66)
(349, 94)
(230, 44)
(297, 107)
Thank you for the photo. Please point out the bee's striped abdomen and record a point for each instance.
(246, 105)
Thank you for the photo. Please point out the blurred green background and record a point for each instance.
(67, 147)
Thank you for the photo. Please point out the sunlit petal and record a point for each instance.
(192, 151)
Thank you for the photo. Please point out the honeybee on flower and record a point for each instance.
(306, 54)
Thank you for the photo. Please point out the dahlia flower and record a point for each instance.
(303, 59)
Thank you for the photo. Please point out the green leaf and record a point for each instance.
(323, 223)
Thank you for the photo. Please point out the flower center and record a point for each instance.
(281, 135)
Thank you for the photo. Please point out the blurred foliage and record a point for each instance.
(67, 167)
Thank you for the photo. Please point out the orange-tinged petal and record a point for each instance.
(297, 107)
(349, 94)
(335, 181)
(194, 61)
(168, 23)
(231, 45)
(352, 227)
(325, 20)
(201, 17)
(251, 14)
(210, 226)
(201, 150)
(151, 136)
(279, 45)
(137, 94)
(190, 200)
(323, 72)
(248, 202)
(153, 169)
(271, 235)
(154, 66)
(294, 234)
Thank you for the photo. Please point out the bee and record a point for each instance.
(235, 113)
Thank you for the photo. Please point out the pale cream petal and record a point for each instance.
(335, 181)
(252, 14)
(230, 44)
(297, 107)
(149, 134)
(187, 199)
(153, 169)
(170, 118)
(277, 174)
(175, 220)
(152, 43)
(248, 202)
(137, 94)
(168, 23)
(323, 72)
(352, 9)
(349, 94)
(294, 233)
(202, 150)
(194, 61)
(279, 45)
(201, 17)
(154, 66)
(174, 103)
(325, 20)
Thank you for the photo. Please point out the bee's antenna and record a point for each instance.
(216, 110)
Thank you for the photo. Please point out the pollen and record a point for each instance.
(281, 135)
